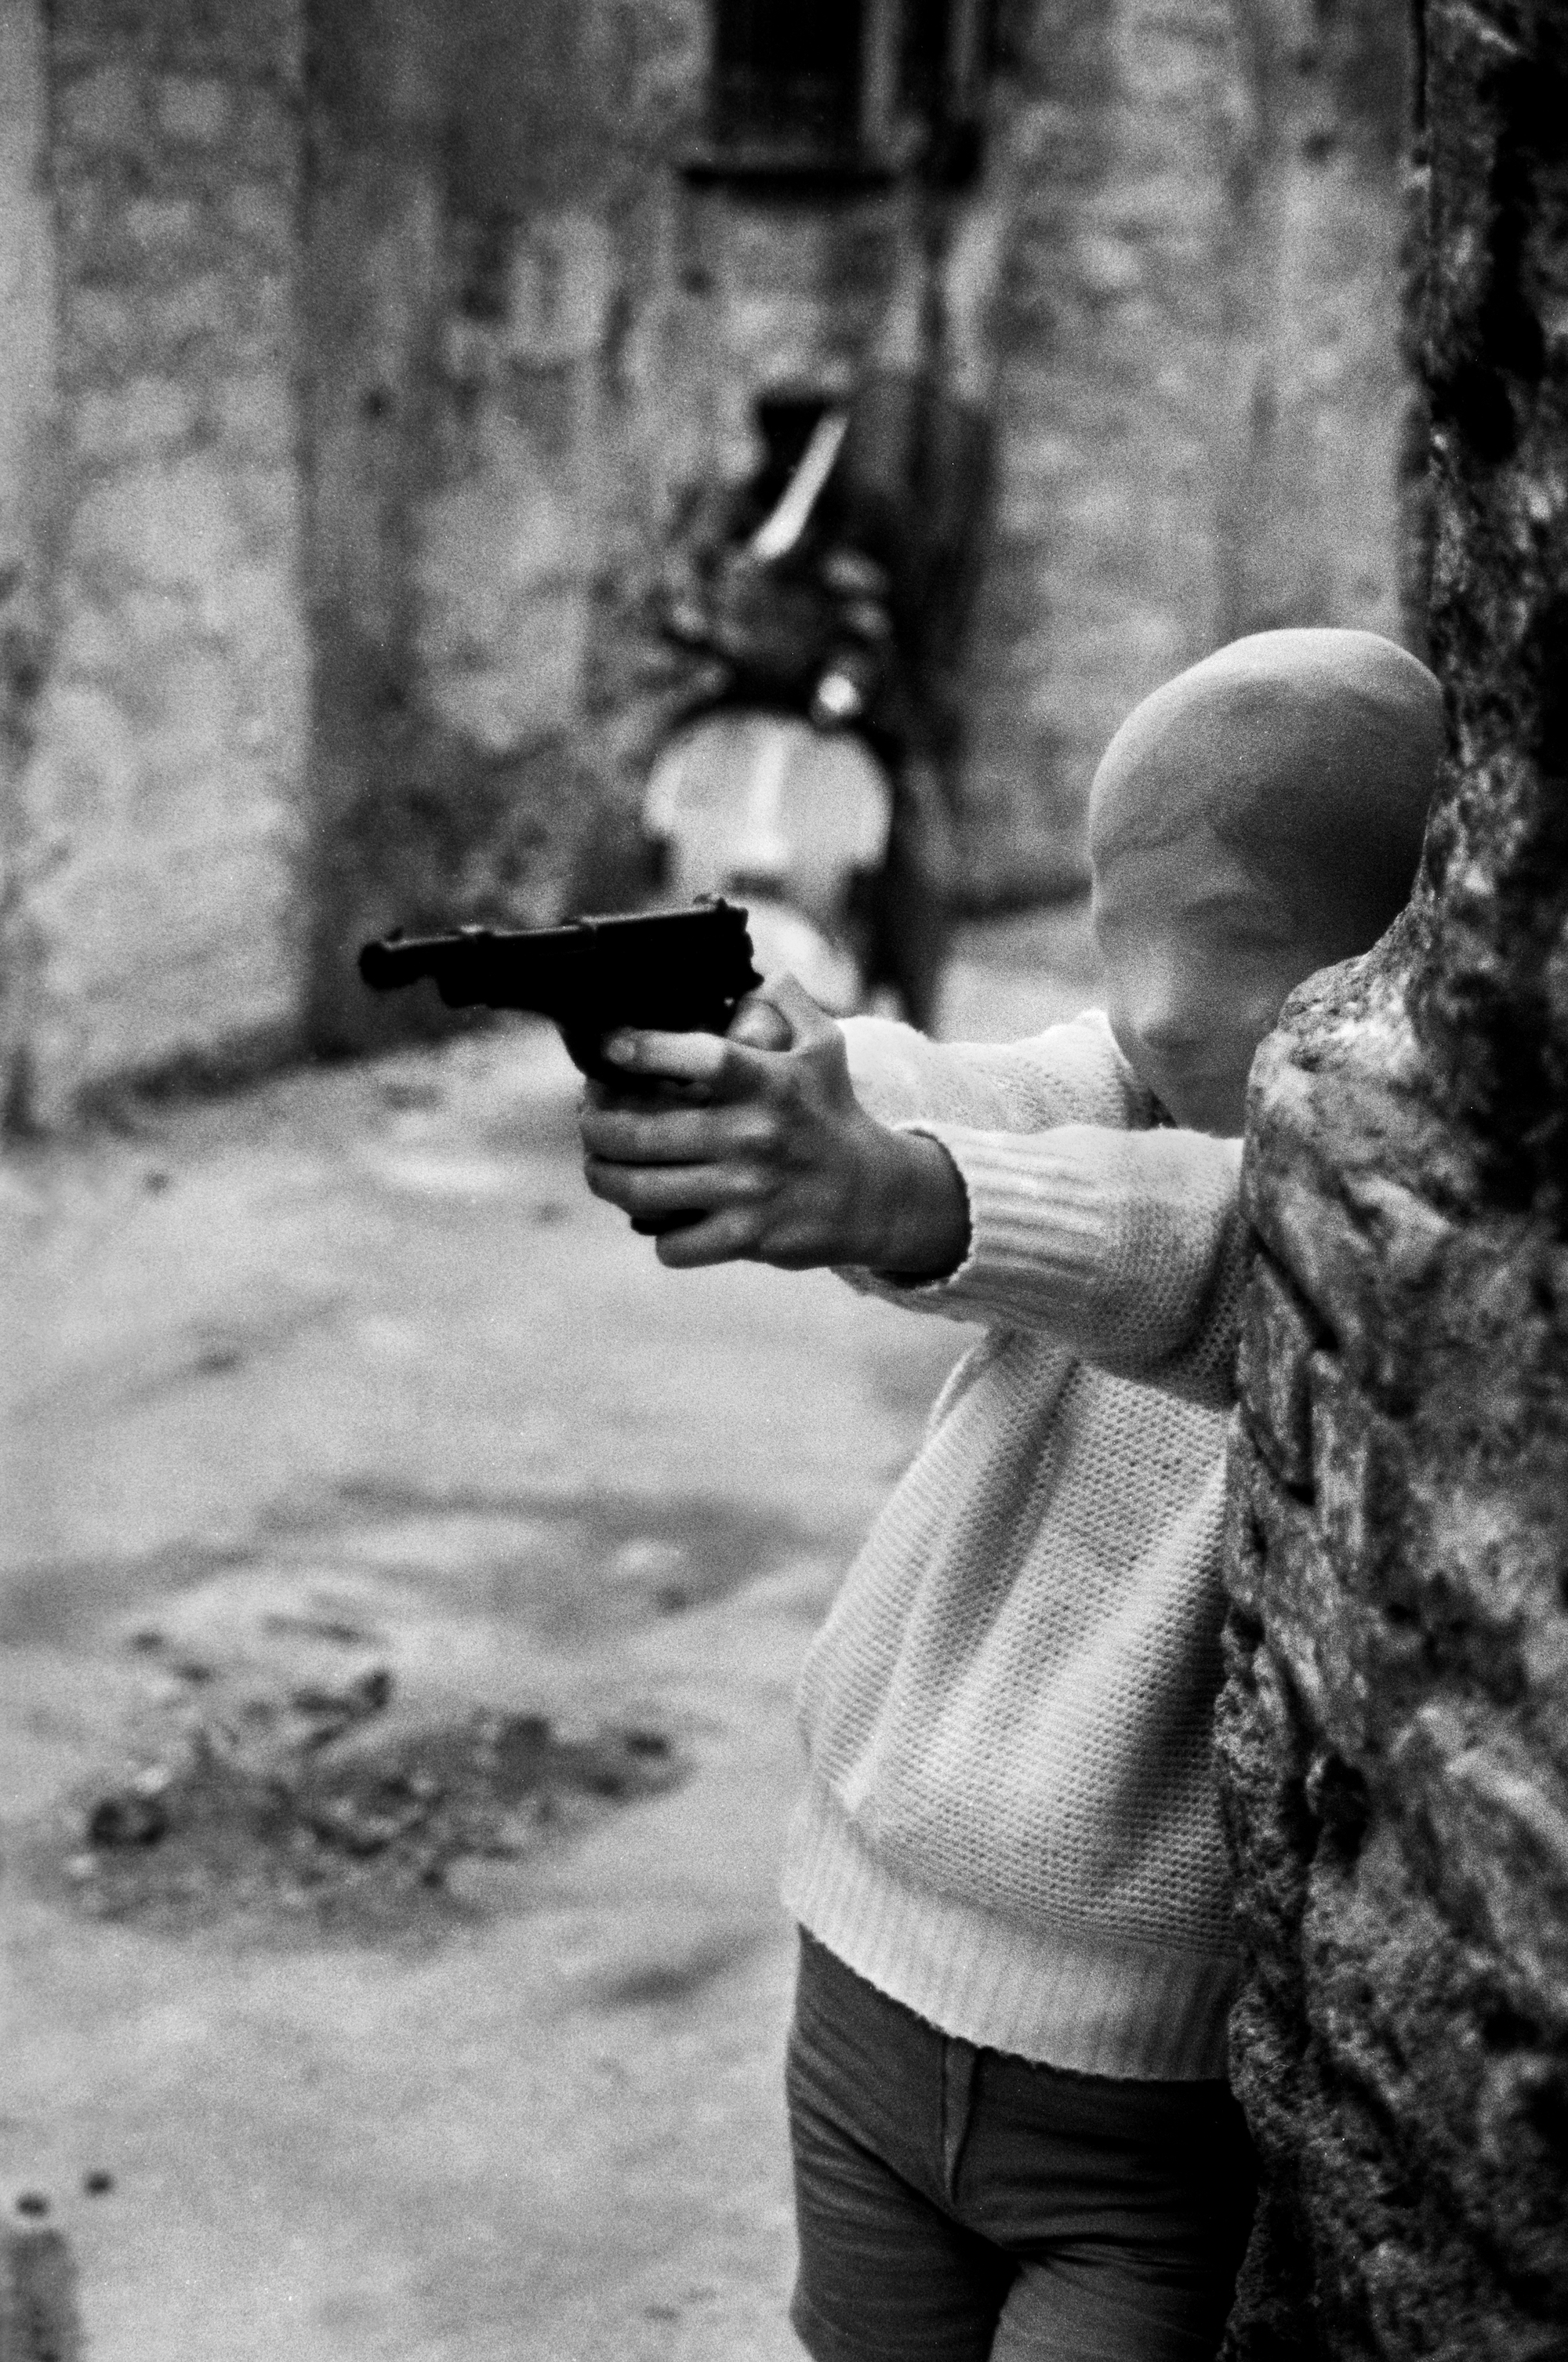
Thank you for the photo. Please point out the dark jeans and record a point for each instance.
(954, 2204)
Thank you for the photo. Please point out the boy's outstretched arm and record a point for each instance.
(1127, 1245)
(1130, 1247)
(762, 1151)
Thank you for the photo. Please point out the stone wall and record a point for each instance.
(1395, 1730)
(460, 269)
(28, 469)
(1201, 396)
(1310, 522)
(158, 817)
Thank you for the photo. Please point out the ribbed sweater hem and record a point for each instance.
(1065, 1997)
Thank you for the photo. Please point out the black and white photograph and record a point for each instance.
(783, 1181)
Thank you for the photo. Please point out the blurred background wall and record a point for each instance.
(358, 353)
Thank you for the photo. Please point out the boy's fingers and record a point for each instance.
(727, 1236)
(656, 1092)
(757, 1025)
(646, 1189)
(654, 1189)
(680, 1057)
(624, 1133)
(638, 1099)
(809, 1022)
(724, 1070)
(781, 1016)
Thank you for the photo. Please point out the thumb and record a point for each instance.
(759, 1025)
(808, 1021)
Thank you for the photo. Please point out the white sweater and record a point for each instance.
(1010, 1823)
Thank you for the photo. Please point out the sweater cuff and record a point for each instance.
(942, 1296)
(1037, 1223)
(1009, 1228)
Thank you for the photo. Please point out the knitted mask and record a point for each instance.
(1255, 819)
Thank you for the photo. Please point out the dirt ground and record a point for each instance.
(338, 1407)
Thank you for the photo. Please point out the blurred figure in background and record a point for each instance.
(832, 590)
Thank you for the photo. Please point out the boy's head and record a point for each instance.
(1256, 818)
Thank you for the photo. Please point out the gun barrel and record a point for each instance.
(469, 960)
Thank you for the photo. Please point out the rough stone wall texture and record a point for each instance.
(158, 803)
(1394, 1735)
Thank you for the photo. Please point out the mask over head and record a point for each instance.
(1312, 754)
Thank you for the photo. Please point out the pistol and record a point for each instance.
(669, 971)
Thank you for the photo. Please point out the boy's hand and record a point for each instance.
(759, 1142)
(759, 1024)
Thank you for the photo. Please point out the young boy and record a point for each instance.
(1011, 2130)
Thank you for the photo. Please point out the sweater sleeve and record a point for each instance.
(1070, 1074)
(1128, 1247)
